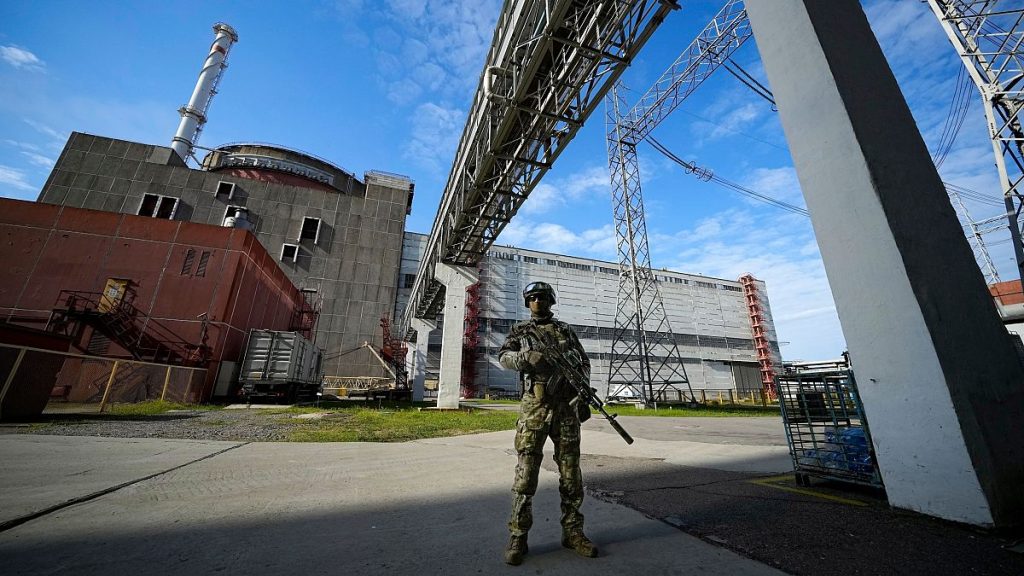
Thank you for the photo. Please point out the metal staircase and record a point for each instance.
(120, 322)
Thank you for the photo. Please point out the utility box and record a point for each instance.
(280, 366)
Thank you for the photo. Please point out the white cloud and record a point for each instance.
(14, 178)
(778, 183)
(435, 135)
(736, 120)
(46, 130)
(21, 58)
(549, 237)
(38, 159)
(590, 182)
(438, 44)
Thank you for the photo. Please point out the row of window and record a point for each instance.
(165, 207)
(190, 260)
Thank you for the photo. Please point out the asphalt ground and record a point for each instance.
(692, 495)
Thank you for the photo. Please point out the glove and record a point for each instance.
(534, 361)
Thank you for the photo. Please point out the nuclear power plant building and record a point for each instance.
(710, 318)
(337, 237)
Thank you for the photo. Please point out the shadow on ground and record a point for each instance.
(816, 531)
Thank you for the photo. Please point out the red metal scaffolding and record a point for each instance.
(764, 352)
(394, 351)
(471, 339)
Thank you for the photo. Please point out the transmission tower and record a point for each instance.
(974, 238)
(645, 359)
(988, 36)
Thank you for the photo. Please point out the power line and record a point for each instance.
(709, 176)
(958, 108)
(749, 81)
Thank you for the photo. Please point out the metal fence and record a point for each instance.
(64, 382)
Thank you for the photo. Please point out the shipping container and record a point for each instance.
(282, 366)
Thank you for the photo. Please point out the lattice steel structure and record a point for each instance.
(974, 231)
(645, 361)
(550, 63)
(988, 36)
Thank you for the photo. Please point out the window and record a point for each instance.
(225, 190)
(157, 206)
(530, 259)
(203, 261)
(289, 252)
(190, 257)
(409, 280)
(310, 230)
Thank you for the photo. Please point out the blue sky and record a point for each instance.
(386, 85)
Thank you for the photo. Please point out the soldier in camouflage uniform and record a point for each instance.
(545, 412)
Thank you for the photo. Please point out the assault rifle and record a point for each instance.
(569, 365)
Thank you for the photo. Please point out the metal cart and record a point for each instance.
(825, 425)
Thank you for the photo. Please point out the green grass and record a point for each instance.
(152, 407)
(398, 424)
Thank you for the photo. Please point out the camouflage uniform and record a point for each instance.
(545, 412)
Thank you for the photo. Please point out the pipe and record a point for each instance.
(193, 115)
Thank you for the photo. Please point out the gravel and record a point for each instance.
(255, 425)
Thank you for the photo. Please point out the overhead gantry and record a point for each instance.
(550, 64)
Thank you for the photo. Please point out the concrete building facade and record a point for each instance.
(338, 238)
(709, 316)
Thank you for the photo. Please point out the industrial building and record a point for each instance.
(150, 290)
(710, 318)
(336, 237)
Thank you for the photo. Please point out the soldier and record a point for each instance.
(545, 411)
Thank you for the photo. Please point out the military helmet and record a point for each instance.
(538, 288)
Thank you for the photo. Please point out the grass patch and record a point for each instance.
(711, 410)
(151, 407)
(399, 424)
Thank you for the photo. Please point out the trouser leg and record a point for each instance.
(570, 479)
(530, 447)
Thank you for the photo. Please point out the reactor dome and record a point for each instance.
(278, 165)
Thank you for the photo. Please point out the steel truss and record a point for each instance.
(550, 64)
(974, 233)
(645, 360)
(988, 40)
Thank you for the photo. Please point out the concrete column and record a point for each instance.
(455, 279)
(423, 329)
(939, 378)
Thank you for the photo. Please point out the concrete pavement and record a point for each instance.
(435, 506)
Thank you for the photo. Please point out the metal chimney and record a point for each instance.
(193, 115)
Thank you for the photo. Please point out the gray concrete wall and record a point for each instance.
(354, 265)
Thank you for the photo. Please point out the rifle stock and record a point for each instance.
(579, 381)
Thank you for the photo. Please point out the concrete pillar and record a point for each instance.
(455, 279)
(418, 351)
(939, 378)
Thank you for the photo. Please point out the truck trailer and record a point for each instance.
(281, 367)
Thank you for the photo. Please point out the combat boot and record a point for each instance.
(576, 541)
(517, 548)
